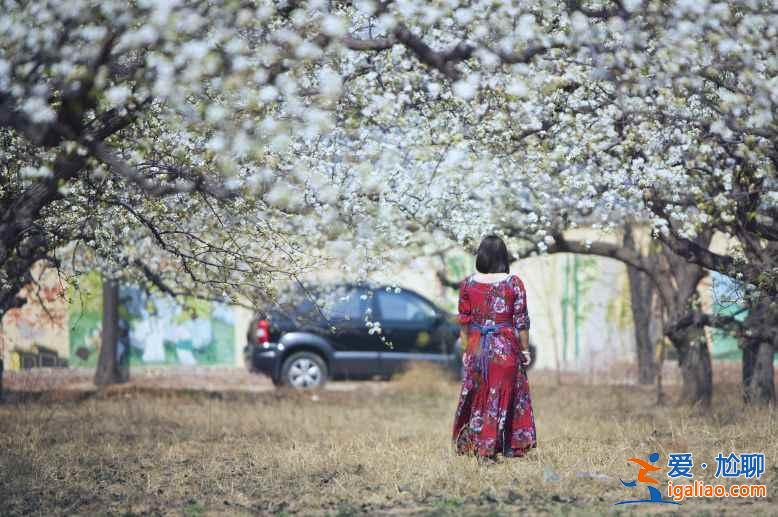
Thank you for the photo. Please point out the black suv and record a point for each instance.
(329, 333)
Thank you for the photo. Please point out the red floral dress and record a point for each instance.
(494, 414)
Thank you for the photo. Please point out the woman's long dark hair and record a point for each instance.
(492, 256)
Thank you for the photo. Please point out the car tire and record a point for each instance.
(304, 370)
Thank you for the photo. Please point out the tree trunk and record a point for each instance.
(749, 361)
(758, 350)
(110, 369)
(761, 387)
(696, 371)
(641, 292)
(660, 396)
(2, 366)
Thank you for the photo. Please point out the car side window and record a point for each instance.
(346, 304)
(404, 306)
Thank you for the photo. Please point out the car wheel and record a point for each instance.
(304, 370)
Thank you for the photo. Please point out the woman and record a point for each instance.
(494, 414)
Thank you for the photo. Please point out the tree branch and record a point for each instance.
(602, 249)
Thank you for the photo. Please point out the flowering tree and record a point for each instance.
(134, 139)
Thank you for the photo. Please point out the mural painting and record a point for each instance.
(155, 329)
(33, 335)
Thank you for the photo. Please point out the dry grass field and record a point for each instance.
(376, 450)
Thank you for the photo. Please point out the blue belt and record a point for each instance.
(486, 352)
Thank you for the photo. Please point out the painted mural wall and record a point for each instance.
(154, 328)
(60, 326)
(35, 335)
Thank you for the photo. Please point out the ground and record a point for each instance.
(356, 448)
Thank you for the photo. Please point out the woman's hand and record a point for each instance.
(464, 339)
(524, 344)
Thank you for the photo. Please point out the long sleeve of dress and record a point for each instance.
(520, 313)
(465, 309)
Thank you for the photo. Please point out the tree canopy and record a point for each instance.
(207, 146)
